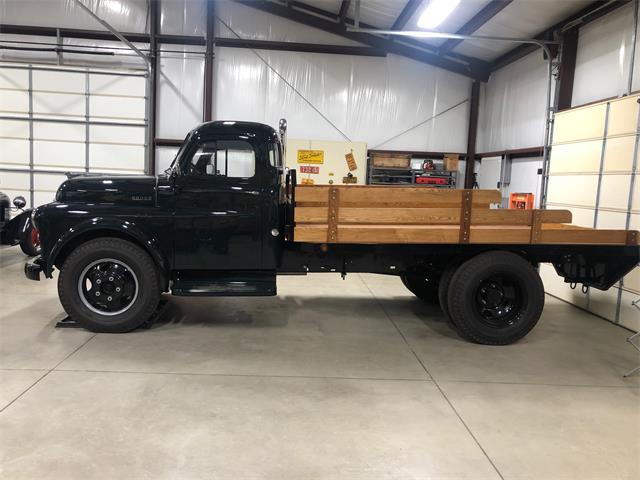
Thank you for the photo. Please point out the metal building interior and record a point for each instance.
(535, 100)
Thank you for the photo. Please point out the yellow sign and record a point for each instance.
(307, 181)
(310, 156)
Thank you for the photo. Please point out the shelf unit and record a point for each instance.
(407, 176)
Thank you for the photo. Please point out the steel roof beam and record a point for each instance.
(378, 42)
(483, 16)
(344, 9)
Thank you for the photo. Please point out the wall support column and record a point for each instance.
(474, 104)
(568, 52)
(154, 24)
(208, 62)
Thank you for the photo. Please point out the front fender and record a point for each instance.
(13, 231)
(104, 227)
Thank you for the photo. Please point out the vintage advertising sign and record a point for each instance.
(351, 161)
(307, 181)
(309, 169)
(351, 179)
(311, 156)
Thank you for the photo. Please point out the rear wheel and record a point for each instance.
(109, 285)
(423, 286)
(443, 291)
(495, 298)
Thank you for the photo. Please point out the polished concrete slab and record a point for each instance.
(331, 379)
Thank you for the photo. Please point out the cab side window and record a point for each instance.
(223, 158)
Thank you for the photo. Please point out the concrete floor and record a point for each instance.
(332, 379)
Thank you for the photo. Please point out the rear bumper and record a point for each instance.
(32, 269)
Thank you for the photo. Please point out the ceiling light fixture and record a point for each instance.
(436, 12)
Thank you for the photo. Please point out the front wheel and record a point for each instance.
(495, 298)
(109, 285)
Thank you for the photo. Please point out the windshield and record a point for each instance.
(178, 155)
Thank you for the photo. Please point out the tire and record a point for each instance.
(422, 286)
(30, 244)
(495, 298)
(443, 292)
(128, 293)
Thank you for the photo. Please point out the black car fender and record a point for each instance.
(13, 232)
(98, 227)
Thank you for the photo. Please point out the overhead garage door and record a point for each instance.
(57, 120)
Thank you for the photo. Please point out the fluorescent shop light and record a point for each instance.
(436, 12)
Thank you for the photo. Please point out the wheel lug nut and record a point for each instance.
(117, 289)
(97, 294)
(109, 299)
(111, 279)
(98, 281)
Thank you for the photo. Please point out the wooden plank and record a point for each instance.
(310, 233)
(398, 234)
(428, 216)
(500, 235)
(332, 215)
(465, 216)
(389, 197)
(583, 236)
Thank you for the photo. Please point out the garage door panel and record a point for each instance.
(576, 157)
(14, 128)
(614, 191)
(629, 313)
(132, 135)
(14, 181)
(48, 182)
(573, 189)
(59, 155)
(70, 82)
(11, 78)
(604, 303)
(623, 116)
(116, 157)
(14, 152)
(579, 124)
(14, 101)
(612, 220)
(58, 131)
(62, 105)
(632, 280)
(618, 155)
(117, 107)
(114, 85)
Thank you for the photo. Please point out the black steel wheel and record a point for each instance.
(109, 285)
(422, 285)
(495, 298)
(30, 244)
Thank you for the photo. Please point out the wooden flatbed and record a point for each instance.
(353, 214)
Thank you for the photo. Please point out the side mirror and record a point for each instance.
(19, 202)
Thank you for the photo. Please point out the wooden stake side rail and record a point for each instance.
(375, 214)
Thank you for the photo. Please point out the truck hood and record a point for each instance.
(121, 190)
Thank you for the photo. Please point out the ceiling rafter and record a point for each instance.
(326, 24)
(478, 20)
(344, 10)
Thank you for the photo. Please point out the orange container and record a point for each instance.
(521, 201)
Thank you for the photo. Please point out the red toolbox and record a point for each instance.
(432, 180)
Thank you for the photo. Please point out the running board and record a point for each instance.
(224, 284)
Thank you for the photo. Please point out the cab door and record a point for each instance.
(218, 202)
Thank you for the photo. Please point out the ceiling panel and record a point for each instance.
(523, 18)
(379, 13)
(332, 6)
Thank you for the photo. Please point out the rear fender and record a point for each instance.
(13, 232)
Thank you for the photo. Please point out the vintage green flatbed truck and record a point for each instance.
(226, 218)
